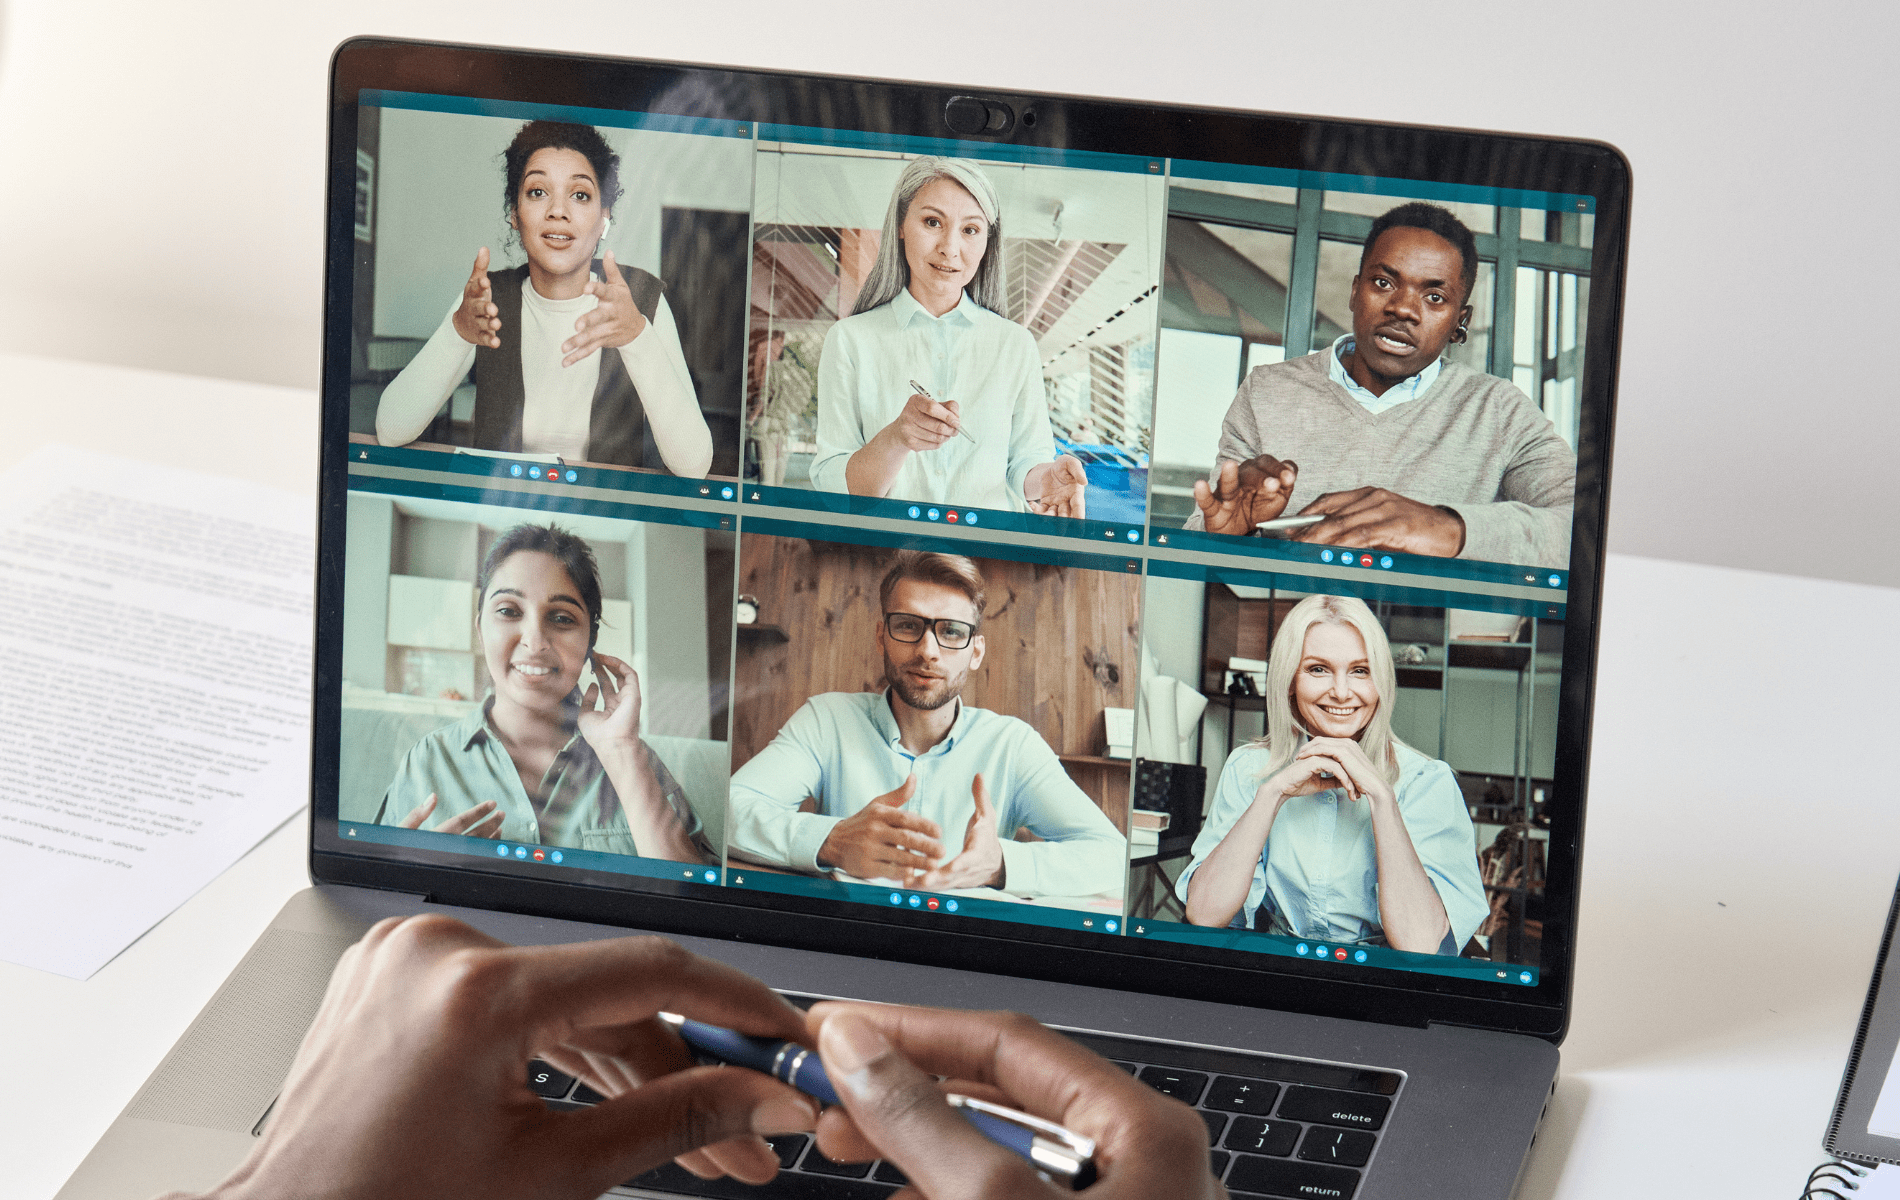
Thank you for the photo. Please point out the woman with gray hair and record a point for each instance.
(926, 392)
(1329, 827)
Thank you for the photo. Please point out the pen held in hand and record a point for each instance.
(1065, 1156)
(923, 391)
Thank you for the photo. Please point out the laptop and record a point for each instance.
(911, 473)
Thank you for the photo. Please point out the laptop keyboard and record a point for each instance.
(1277, 1127)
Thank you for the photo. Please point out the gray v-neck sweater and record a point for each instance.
(1472, 443)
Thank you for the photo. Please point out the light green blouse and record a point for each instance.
(575, 805)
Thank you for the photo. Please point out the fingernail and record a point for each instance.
(850, 1043)
(785, 1114)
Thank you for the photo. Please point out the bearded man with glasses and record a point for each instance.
(911, 784)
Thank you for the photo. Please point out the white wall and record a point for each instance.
(164, 167)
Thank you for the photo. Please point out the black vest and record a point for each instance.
(616, 426)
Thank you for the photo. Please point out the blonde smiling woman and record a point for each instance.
(1329, 827)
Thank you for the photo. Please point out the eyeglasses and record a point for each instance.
(909, 627)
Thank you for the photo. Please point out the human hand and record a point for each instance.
(923, 423)
(615, 726)
(981, 862)
(1361, 779)
(427, 1016)
(481, 821)
(1057, 488)
(615, 321)
(1146, 1145)
(478, 321)
(1376, 519)
(882, 841)
(1245, 494)
(1306, 774)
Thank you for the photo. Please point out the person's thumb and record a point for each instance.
(980, 792)
(902, 1113)
(667, 1117)
(902, 795)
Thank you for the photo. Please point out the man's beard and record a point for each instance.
(924, 699)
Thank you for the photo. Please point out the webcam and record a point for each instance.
(972, 115)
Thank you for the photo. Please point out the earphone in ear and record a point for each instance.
(606, 223)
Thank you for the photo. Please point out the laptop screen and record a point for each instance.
(961, 533)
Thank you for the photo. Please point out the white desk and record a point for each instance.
(1743, 841)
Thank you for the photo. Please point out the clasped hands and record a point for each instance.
(1247, 493)
(1326, 763)
(883, 841)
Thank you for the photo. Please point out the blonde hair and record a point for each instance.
(1284, 732)
(890, 274)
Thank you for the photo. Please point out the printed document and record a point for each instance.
(154, 722)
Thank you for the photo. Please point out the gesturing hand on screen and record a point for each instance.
(616, 724)
(480, 821)
(1058, 489)
(428, 1016)
(981, 863)
(924, 424)
(877, 1056)
(882, 841)
(1381, 520)
(615, 321)
(478, 321)
(1245, 494)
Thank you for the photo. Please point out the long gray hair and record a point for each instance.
(890, 274)
(1284, 732)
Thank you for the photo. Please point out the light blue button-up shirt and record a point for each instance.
(1319, 874)
(844, 749)
(986, 363)
(1397, 394)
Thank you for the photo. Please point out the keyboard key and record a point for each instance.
(818, 1164)
(1217, 1161)
(1216, 1122)
(1341, 1147)
(1327, 1107)
(1284, 1177)
(888, 1173)
(587, 1095)
(1242, 1095)
(788, 1146)
(1257, 1135)
(546, 1082)
(1128, 1067)
(1185, 1086)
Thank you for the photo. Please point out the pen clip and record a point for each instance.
(1056, 1151)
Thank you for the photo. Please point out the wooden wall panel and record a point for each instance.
(1062, 642)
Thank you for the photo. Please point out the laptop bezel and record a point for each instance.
(1177, 131)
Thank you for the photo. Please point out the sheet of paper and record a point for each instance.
(1885, 1120)
(154, 722)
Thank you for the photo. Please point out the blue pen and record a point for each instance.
(1065, 1156)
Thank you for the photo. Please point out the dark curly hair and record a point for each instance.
(1432, 219)
(584, 140)
(575, 556)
